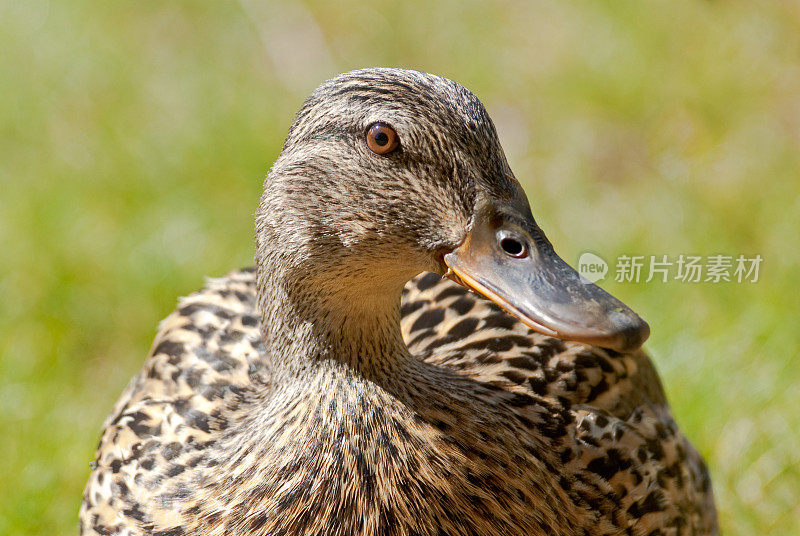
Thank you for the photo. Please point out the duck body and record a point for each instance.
(471, 450)
(322, 394)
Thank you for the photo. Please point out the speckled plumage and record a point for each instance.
(307, 398)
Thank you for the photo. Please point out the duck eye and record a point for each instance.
(382, 139)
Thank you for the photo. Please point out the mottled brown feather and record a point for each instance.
(207, 362)
(306, 397)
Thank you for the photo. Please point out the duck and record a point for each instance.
(408, 357)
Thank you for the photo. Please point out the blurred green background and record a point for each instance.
(134, 138)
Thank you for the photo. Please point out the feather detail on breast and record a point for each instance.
(620, 439)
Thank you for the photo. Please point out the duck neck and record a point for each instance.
(348, 322)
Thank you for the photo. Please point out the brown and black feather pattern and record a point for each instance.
(613, 447)
(324, 394)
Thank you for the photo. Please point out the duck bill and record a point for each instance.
(536, 286)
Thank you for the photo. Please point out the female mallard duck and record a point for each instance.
(325, 394)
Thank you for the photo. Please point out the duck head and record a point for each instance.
(387, 173)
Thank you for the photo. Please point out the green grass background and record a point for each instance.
(134, 137)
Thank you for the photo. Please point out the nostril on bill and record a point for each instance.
(513, 247)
